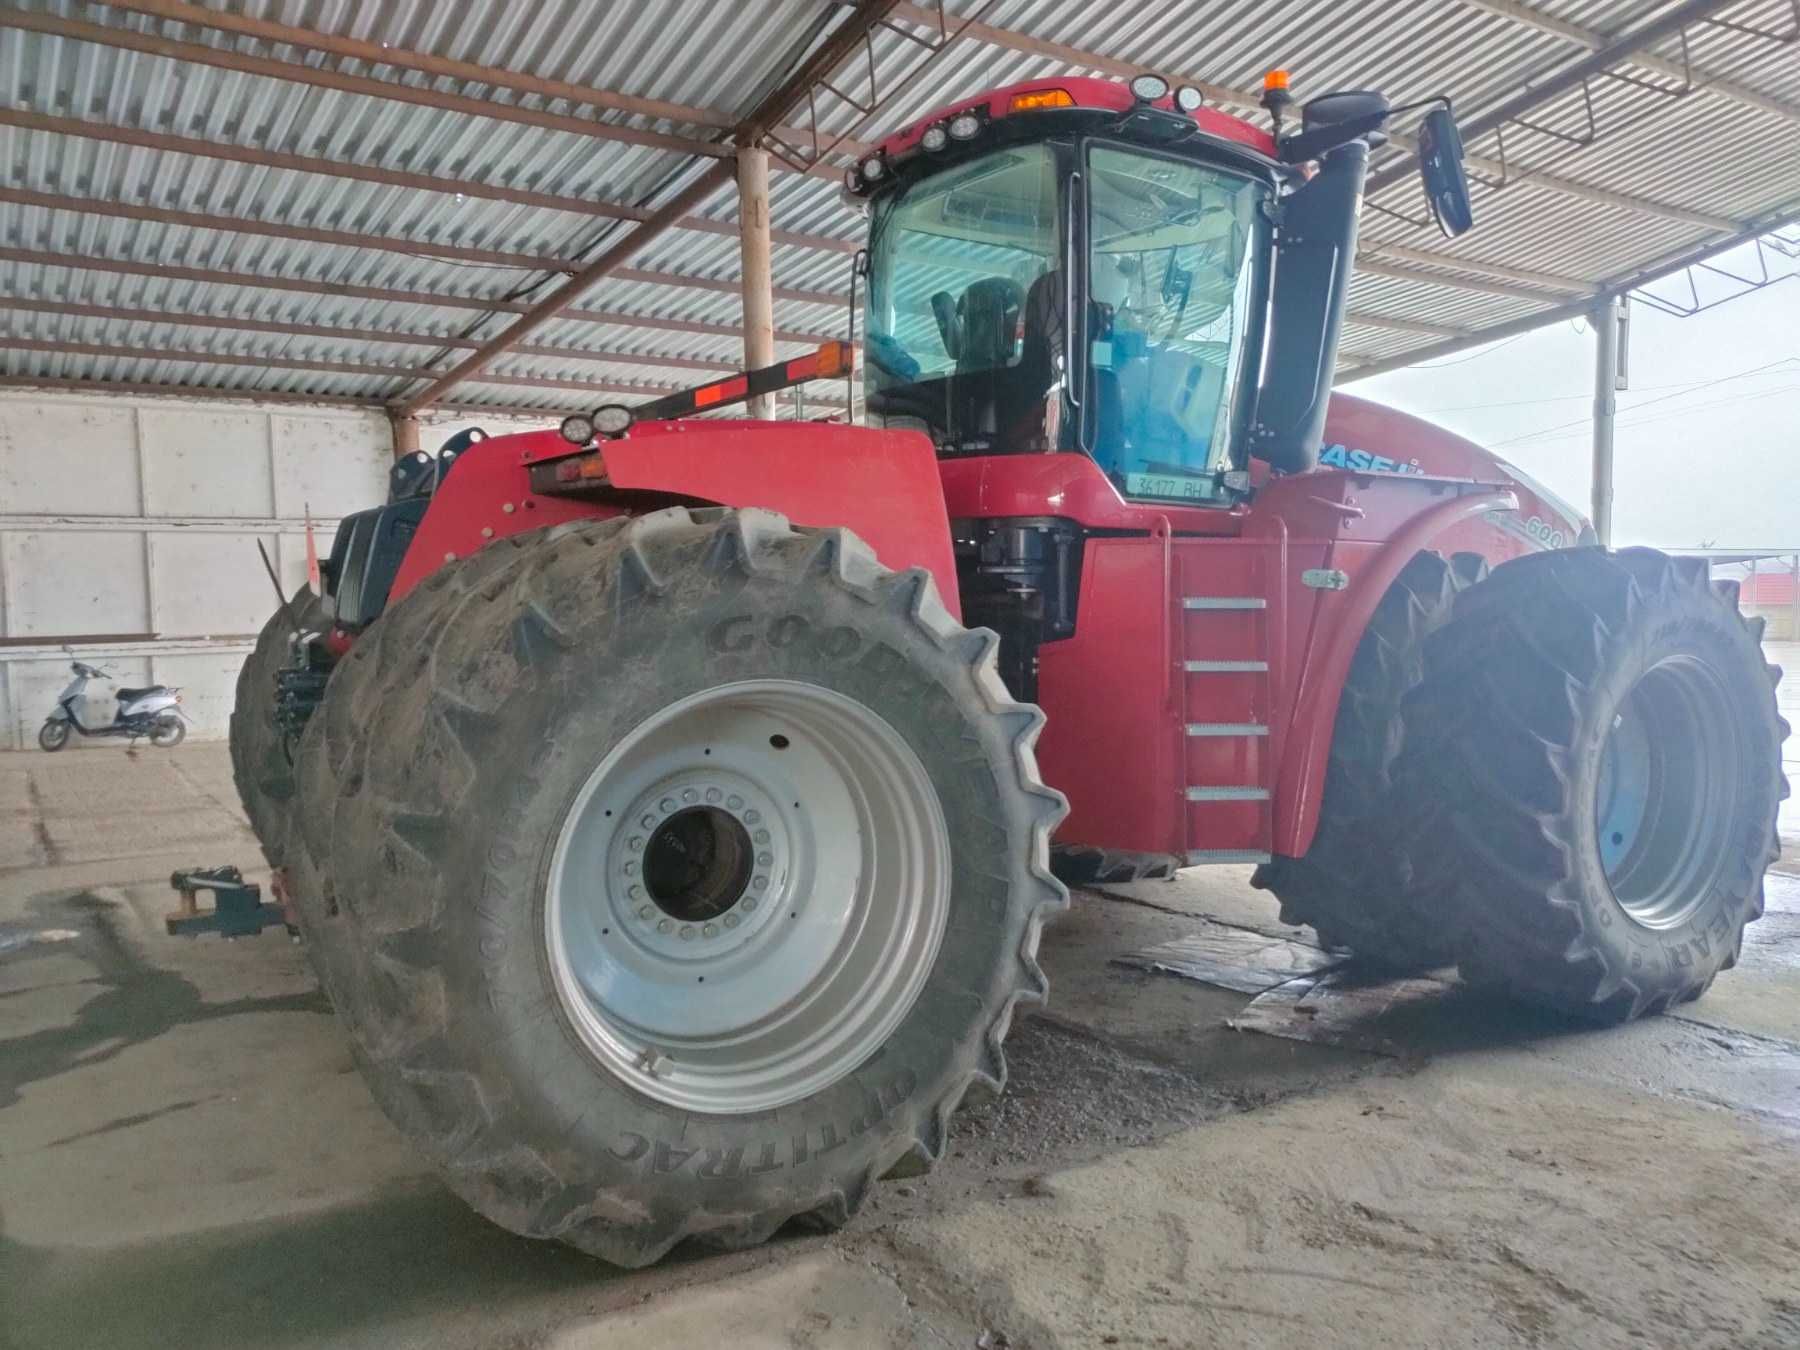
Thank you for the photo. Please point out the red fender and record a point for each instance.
(883, 485)
(486, 496)
(1307, 742)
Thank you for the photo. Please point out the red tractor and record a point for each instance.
(672, 816)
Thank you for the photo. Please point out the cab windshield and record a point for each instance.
(967, 311)
(1174, 256)
(962, 341)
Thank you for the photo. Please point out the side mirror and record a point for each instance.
(1441, 170)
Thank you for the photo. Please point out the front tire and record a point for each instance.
(470, 795)
(1596, 754)
(53, 735)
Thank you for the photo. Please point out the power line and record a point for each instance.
(1464, 360)
(1673, 414)
(1705, 384)
(1558, 398)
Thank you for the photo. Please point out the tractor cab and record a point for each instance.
(1086, 266)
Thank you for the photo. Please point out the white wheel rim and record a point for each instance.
(747, 896)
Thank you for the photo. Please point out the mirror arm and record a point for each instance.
(1305, 145)
(1322, 140)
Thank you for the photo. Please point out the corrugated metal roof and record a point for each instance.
(368, 274)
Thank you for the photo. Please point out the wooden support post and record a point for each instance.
(406, 435)
(758, 279)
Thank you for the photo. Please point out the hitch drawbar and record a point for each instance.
(238, 909)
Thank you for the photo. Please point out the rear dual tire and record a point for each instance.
(259, 757)
(1591, 775)
(451, 817)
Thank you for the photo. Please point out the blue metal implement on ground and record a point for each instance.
(238, 907)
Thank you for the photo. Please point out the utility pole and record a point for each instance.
(1607, 321)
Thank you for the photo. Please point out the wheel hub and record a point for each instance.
(1667, 792)
(695, 863)
(747, 895)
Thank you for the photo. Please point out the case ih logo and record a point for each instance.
(1340, 457)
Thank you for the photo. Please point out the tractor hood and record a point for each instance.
(1368, 437)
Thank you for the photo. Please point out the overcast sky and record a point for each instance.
(1708, 439)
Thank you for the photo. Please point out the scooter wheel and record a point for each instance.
(53, 735)
(168, 733)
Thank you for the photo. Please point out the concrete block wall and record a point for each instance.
(139, 519)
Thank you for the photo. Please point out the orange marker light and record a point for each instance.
(835, 359)
(1041, 98)
(1275, 79)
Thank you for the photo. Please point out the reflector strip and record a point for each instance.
(709, 394)
(832, 360)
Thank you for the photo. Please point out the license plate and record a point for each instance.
(1168, 485)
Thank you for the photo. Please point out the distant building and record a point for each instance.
(1767, 587)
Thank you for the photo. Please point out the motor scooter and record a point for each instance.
(153, 712)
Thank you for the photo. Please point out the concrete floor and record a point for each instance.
(187, 1156)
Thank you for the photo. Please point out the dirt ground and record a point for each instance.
(188, 1158)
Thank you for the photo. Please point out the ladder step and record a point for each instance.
(1224, 602)
(1227, 729)
(1222, 667)
(1202, 857)
(1227, 794)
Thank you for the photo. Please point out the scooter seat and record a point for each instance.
(124, 695)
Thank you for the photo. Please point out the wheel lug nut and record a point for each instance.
(647, 820)
(687, 932)
(765, 858)
(634, 843)
(690, 796)
(751, 817)
(645, 911)
(750, 904)
(762, 836)
(630, 869)
(664, 926)
(666, 804)
(734, 801)
(635, 892)
(712, 794)
(711, 930)
(731, 921)
(759, 882)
